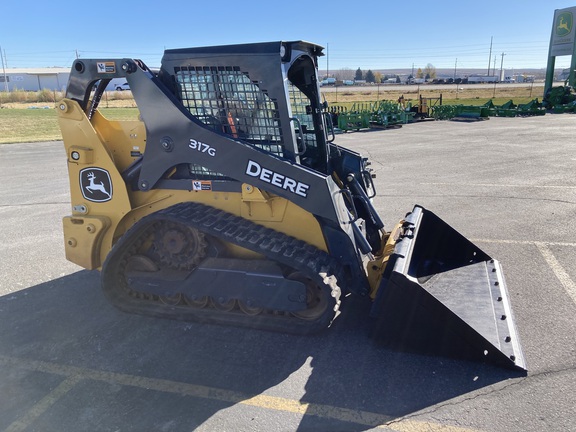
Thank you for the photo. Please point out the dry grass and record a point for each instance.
(19, 99)
(519, 93)
(31, 125)
(454, 95)
(28, 125)
(20, 123)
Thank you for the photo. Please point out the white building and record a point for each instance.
(34, 79)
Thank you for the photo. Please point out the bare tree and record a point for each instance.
(344, 74)
(430, 71)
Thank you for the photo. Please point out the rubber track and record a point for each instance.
(276, 246)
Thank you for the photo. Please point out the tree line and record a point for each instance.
(429, 72)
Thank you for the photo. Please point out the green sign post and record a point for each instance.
(562, 42)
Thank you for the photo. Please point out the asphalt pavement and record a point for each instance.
(72, 362)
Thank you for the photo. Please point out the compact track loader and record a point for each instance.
(228, 202)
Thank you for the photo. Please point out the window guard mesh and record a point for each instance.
(227, 101)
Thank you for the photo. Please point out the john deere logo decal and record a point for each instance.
(95, 184)
(564, 24)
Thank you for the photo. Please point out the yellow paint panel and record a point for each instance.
(82, 238)
(99, 150)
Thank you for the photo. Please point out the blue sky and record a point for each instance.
(363, 34)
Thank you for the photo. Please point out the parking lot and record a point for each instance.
(71, 362)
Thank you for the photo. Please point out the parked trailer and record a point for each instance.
(482, 79)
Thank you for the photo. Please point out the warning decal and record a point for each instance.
(199, 185)
(106, 67)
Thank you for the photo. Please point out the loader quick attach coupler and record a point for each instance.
(441, 295)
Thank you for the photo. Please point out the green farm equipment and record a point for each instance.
(560, 99)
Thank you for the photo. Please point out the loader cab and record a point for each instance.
(266, 95)
(308, 118)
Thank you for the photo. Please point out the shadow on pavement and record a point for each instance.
(137, 373)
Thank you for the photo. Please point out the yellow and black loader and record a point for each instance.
(229, 202)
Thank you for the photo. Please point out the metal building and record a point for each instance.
(34, 79)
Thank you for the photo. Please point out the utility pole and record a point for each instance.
(494, 67)
(455, 65)
(4, 71)
(490, 56)
(327, 60)
(500, 77)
